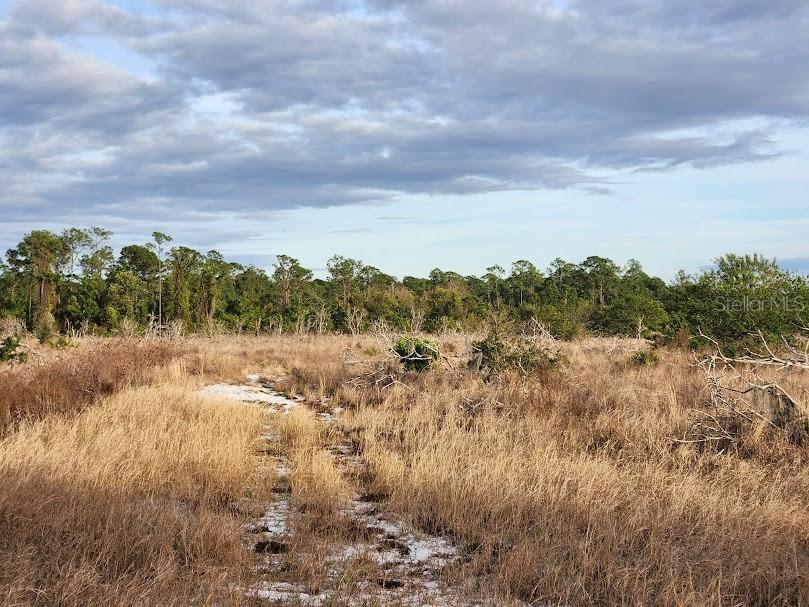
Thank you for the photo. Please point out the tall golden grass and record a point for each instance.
(130, 502)
(70, 379)
(572, 488)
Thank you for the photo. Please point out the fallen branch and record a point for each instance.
(733, 396)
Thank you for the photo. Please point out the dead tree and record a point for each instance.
(417, 315)
(790, 358)
(355, 319)
(739, 397)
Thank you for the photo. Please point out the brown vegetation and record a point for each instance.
(68, 380)
(131, 502)
(577, 485)
(575, 488)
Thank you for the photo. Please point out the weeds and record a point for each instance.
(645, 358)
(415, 353)
(9, 350)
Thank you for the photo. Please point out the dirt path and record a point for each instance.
(380, 561)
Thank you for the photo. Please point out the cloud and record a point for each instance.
(258, 107)
(82, 16)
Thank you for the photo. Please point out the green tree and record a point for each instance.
(160, 240)
(36, 262)
(255, 290)
(75, 241)
(600, 278)
(524, 281)
(99, 256)
(129, 295)
(742, 295)
(216, 280)
(343, 273)
(141, 260)
(494, 276)
(183, 268)
(291, 278)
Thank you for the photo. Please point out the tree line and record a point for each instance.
(74, 281)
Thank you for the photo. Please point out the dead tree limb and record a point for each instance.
(739, 397)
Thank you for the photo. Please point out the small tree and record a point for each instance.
(160, 239)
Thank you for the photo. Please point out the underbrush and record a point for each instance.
(63, 382)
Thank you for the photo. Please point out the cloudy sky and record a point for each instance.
(413, 133)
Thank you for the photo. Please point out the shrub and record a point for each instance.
(501, 351)
(8, 350)
(416, 354)
(645, 358)
(62, 342)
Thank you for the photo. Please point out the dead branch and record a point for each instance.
(791, 358)
(740, 397)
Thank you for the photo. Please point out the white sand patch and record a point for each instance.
(286, 592)
(250, 393)
(411, 548)
(275, 518)
(244, 393)
(428, 595)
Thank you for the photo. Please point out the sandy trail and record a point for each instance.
(408, 568)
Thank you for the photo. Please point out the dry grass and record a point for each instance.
(318, 488)
(567, 488)
(571, 488)
(69, 380)
(129, 502)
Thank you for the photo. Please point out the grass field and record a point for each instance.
(121, 485)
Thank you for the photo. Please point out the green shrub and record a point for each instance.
(62, 342)
(46, 330)
(645, 358)
(501, 351)
(416, 354)
(8, 350)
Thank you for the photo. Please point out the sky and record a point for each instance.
(412, 134)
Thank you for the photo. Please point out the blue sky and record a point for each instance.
(415, 133)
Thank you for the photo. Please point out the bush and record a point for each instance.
(501, 351)
(416, 354)
(46, 330)
(8, 350)
(62, 342)
(645, 358)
